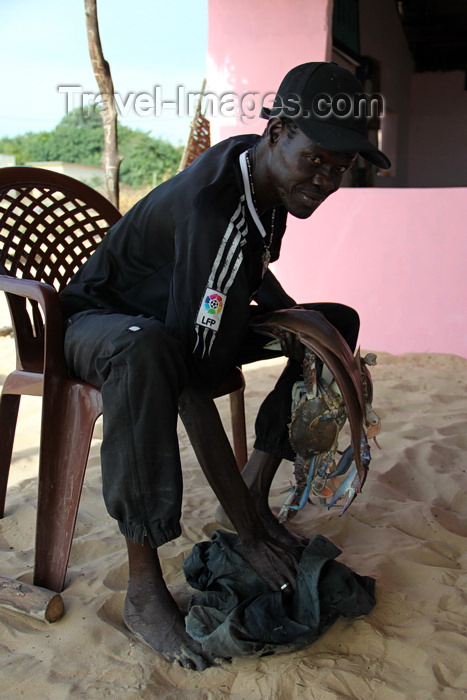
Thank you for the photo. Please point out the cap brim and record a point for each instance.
(337, 138)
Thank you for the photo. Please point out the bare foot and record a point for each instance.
(161, 625)
(152, 614)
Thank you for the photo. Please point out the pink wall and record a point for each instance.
(438, 130)
(253, 43)
(396, 255)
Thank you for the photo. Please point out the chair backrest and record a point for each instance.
(49, 226)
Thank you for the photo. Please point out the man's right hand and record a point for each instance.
(276, 563)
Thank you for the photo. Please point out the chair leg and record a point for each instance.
(67, 427)
(9, 405)
(237, 413)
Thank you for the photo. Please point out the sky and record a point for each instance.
(152, 46)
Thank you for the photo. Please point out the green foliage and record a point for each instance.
(79, 138)
(140, 154)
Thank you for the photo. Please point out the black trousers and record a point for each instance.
(142, 370)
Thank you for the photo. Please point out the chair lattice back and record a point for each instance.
(49, 224)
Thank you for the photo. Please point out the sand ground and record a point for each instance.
(408, 530)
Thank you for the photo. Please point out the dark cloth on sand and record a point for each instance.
(237, 614)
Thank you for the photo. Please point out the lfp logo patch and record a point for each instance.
(211, 308)
(213, 303)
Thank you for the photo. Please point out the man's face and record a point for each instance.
(304, 174)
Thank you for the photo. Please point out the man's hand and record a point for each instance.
(275, 563)
(291, 346)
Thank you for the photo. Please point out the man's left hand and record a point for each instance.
(291, 346)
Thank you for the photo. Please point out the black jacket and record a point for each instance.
(188, 254)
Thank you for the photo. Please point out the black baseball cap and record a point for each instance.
(328, 105)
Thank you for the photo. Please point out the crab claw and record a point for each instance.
(345, 486)
(351, 486)
(344, 462)
(350, 499)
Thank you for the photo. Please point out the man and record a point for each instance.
(160, 313)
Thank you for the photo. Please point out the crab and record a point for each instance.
(336, 385)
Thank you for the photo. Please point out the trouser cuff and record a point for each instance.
(138, 533)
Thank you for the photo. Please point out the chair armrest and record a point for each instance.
(48, 299)
(31, 289)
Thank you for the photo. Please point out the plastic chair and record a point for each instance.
(49, 226)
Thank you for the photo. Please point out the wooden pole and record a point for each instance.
(31, 600)
(111, 159)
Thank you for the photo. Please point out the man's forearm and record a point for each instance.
(214, 453)
(271, 296)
